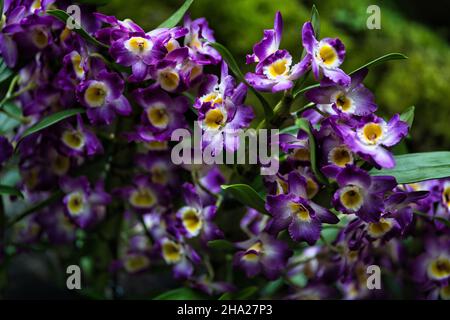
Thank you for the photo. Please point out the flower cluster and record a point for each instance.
(106, 175)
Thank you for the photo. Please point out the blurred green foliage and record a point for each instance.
(423, 80)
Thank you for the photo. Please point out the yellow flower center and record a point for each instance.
(77, 67)
(300, 211)
(192, 220)
(439, 268)
(195, 71)
(138, 45)
(158, 116)
(340, 156)
(95, 94)
(159, 174)
(75, 205)
(214, 119)
(168, 79)
(351, 197)
(40, 38)
(311, 188)
(445, 292)
(213, 97)
(252, 253)
(156, 145)
(60, 165)
(135, 263)
(171, 252)
(36, 5)
(142, 198)
(301, 154)
(372, 132)
(343, 102)
(73, 139)
(328, 55)
(380, 228)
(446, 196)
(278, 68)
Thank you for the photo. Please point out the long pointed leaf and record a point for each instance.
(408, 116)
(415, 167)
(51, 120)
(12, 191)
(173, 20)
(377, 61)
(247, 196)
(63, 16)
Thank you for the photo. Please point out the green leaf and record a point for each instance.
(51, 120)
(36, 207)
(12, 191)
(173, 20)
(226, 296)
(221, 244)
(408, 116)
(5, 72)
(63, 16)
(247, 196)
(415, 167)
(180, 294)
(301, 90)
(377, 61)
(6, 122)
(304, 125)
(315, 21)
(234, 67)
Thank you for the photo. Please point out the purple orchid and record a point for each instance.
(220, 121)
(103, 97)
(361, 194)
(433, 265)
(162, 113)
(324, 56)
(197, 40)
(180, 255)
(84, 205)
(293, 211)
(370, 136)
(195, 219)
(262, 253)
(143, 195)
(273, 71)
(353, 99)
(77, 141)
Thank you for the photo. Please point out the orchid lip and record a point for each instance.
(75, 203)
(340, 156)
(96, 94)
(73, 139)
(278, 69)
(352, 197)
(172, 252)
(380, 228)
(326, 55)
(138, 45)
(372, 133)
(158, 117)
(192, 220)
